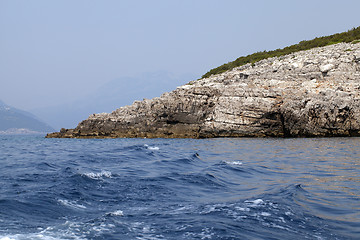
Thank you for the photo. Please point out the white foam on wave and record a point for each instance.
(116, 213)
(236, 163)
(79, 230)
(151, 148)
(288, 213)
(243, 209)
(206, 233)
(144, 231)
(213, 208)
(99, 175)
(265, 214)
(28, 236)
(273, 225)
(182, 210)
(34, 236)
(254, 203)
(71, 204)
(67, 230)
(102, 227)
(154, 148)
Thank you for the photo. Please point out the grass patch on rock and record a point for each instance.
(351, 36)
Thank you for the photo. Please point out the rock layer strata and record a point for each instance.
(313, 93)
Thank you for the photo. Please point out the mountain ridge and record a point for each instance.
(16, 121)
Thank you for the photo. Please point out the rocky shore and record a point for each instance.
(313, 93)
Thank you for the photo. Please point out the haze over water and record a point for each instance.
(179, 188)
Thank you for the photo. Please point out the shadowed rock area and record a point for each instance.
(313, 93)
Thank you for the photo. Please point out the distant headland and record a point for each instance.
(14, 121)
(311, 89)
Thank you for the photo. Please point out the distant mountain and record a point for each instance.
(17, 121)
(109, 97)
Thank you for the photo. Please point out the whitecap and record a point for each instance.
(254, 203)
(144, 231)
(102, 227)
(212, 208)
(274, 226)
(34, 236)
(240, 217)
(68, 230)
(278, 226)
(206, 233)
(71, 204)
(93, 175)
(265, 214)
(242, 209)
(181, 210)
(238, 163)
(116, 213)
(151, 147)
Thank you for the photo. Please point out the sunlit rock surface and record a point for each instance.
(304, 94)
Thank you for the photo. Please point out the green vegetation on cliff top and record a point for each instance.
(352, 36)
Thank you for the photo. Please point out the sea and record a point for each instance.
(222, 188)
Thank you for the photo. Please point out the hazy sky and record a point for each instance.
(53, 51)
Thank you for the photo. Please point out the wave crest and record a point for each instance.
(99, 175)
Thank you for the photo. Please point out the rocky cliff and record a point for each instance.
(304, 94)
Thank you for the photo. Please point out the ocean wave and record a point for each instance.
(255, 203)
(99, 175)
(151, 147)
(47, 234)
(46, 166)
(180, 160)
(188, 189)
(230, 164)
(32, 236)
(115, 213)
(235, 163)
(71, 204)
(67, 230)
(144, 231)
(207, 180)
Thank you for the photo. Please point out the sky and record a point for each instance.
(52, 52)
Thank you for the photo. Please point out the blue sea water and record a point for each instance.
(179, 188)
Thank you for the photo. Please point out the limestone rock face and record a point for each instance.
(309, 93)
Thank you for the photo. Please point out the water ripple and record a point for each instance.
(179, 188)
